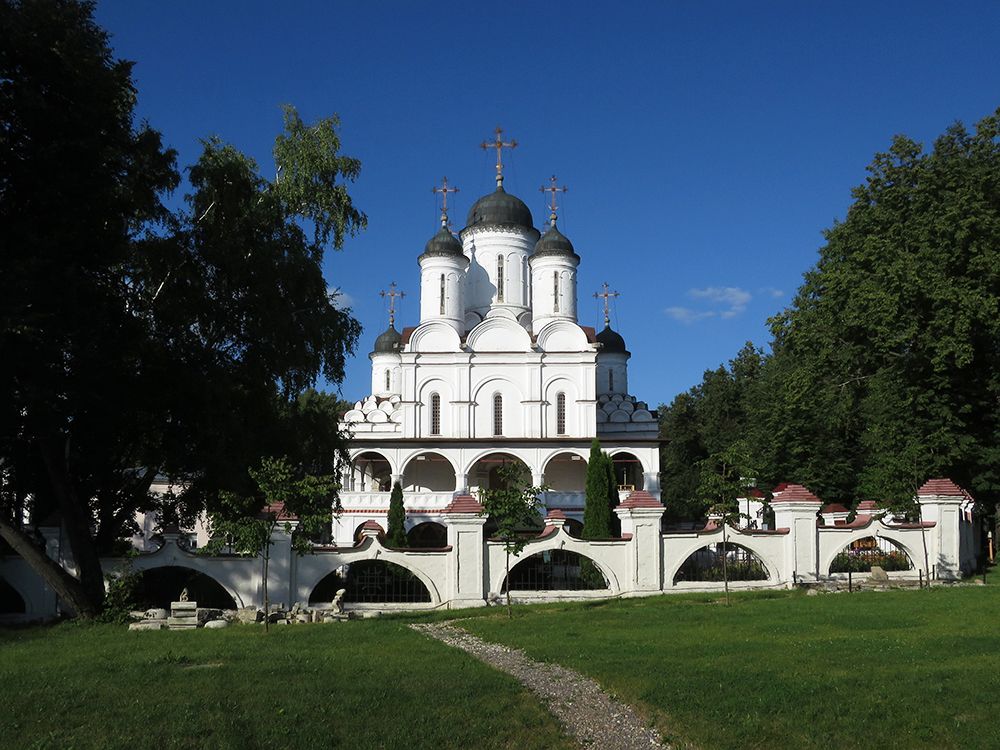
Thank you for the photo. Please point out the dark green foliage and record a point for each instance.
(132, 337)
(595, 510)
(396, 532)
(614, 522)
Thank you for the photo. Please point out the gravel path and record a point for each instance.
(589, 714)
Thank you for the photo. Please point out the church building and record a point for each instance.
(498, 368)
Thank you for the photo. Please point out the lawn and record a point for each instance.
(369, 684)
(915, 669)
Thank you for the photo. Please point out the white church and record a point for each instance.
(497, 369)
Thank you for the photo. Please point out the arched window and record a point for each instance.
(435, 414)
(442, 294)
(561, 414)
(499, 278)
(497, 414)
(555, 291)
(611, 379)
(387, 385)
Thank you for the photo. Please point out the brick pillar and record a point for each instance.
(640, 515)
(466, 575)
(795, 509)
(941, 503)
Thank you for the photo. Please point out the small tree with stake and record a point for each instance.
(283, 493)
(725, 477)
(512, 506)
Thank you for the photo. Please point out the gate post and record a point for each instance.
(640, 515)
(466, 574)
(795, 509)
(941, 503)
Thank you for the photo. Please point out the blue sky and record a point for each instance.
(706, 145)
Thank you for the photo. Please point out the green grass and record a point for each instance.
(915, 669)
(368, 684)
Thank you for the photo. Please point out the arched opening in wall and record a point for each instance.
(158, 587)
(566, 472)
(11, 602)
(706, 564)
(556, 570)
(370, 472)
(487, 474)
(429, 472)
(628, 472)
(361, 527)
(574, 528)
(427, 535)
(372, 582)
(861, 555)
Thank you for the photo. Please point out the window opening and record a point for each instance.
(611, 380)
(499, 278)
(435, 414)
(497, 414)
(555, 291)
(442, 294)
(387, 386)
(561, 414)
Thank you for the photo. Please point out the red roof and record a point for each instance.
(463, 504)
(780, 488)
(372, 526)
(640, 499)
(944, 487)
(279, 512)
(754, 492)
(556, 514)
(835, 508)
(793, 493)
(867, 505)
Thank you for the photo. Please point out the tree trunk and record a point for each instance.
(510, 612)
(67, 588)
(77, 522)
(267, 603)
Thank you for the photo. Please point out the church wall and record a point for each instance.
(484, 247)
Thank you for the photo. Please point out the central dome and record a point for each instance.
(499, 207)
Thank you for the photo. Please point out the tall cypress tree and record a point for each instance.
(595, 509)
(614, 522)
(397, 518)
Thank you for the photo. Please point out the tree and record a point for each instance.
(138, 342)
(885, 368)
(726, 476)
(614, 500)
(246, 524)
(512, 506)
(397, 518)
(596, 518)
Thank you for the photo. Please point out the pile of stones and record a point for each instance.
(183, 615)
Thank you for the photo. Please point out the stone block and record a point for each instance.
(216, 624)
(148, 625)
(879, 575)
(183, 606)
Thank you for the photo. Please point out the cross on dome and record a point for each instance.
(392, 294)
(606, 296)
(444, 190)
(552, 203)
(499, 144)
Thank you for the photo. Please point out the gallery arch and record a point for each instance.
(628, 471)
(566, 472)
(428, 472)
(369, 472)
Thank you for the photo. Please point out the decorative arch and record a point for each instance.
(860, 555)
(562, 336)
(369, 471)
(498, 333)
(513, 410)
(629, 470)
(434, 336)
(556, 570)
(429, 471)
(160, 585)
(706, 564)
(427, 535)
(11, 600)
(372, 581)
(426, 390)
(553, 388)
(565, 471)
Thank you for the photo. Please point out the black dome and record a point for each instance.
(443, 243)
(388, 341)
(611, 341)
(554, 242)
(499, 207)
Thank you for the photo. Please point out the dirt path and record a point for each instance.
(590, 715)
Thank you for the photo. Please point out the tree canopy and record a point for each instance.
(137, 341)
(885, 369)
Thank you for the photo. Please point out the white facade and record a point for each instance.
(497, 368)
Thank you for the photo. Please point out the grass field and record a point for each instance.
(367, 684)
(914, 669)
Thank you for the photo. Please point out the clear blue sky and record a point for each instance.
(706, 145)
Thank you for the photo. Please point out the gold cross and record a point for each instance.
(392, 294)
(444, 190)
(498, 143)
(606, 295)
(552, 204)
